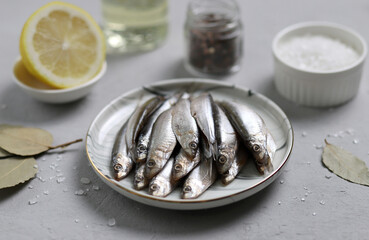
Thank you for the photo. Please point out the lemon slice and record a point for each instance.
(62, 45)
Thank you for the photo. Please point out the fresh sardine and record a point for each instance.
(163, 184)
(138, 120)
(202, 109)
(242, 157)
(121, 161)
(162, 143)
(145, 133)
(200, 179)
(185, 128)
(227, 142)
(251, 127)
(183, 164)
(140, 181)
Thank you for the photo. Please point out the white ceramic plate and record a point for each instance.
(102, 132)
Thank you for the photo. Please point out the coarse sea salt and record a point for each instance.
(317, 53)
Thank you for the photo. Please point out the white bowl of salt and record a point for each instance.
(318, 64)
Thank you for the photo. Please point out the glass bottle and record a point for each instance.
(213, 32)
(134, 25)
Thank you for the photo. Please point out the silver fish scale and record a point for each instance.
(138, 119)
(163, 182)
(238, 163)
(140, 181)
(162, 144)
(186, 164)
(144, 136)
(120, 154)
(227, 142)
(202, 111)
(252, 129)
(200, 179)
(184, 127)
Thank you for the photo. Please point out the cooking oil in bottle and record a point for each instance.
(134, 25)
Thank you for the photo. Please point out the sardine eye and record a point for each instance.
(256, 148)
(187, 189)
(141, 148)
(193, 145)
(177, 167)
(151, 163)
(226, 172)
(154, 187)
(222, 159)
(118, 167)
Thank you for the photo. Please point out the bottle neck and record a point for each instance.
(213, 14)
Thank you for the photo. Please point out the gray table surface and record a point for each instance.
(333, 208)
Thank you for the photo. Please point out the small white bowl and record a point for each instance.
(45, 93)
(319, 88)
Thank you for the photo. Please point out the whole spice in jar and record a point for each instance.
(214, 39)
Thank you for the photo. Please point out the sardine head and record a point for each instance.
(191, 189)
(180, 167)
(261, 155)
(227, 178)
(122, 167)
(159, 188)
(141, 152)
(153, 166)
(140, 182)
(193, 145)
(224, 159)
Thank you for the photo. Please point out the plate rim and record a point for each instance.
(191, 201)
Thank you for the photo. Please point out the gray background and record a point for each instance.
(63, 215)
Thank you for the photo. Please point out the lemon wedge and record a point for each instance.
(62, 45)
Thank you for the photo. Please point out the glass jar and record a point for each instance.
(213, 32)
(134, 25)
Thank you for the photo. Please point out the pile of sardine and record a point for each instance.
(190, 141)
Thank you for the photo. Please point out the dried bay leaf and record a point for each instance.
(24, 141)
(16, 170)
(345, 165)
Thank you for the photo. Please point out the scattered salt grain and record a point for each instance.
(318, 146)
(350, 132)
(302, 199)
(35, 166)
(279, 203)
(304, 134)
(46, 192)
(328, 176)
(41, 179)
(322, 202)
(60, 179)
(85, 180)
(30, 187)
(32, 201)
(111, 222)
(314, 213)
(76, 220)
(95, 187)
(355, 141)
(79, 192)
(281, 182)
